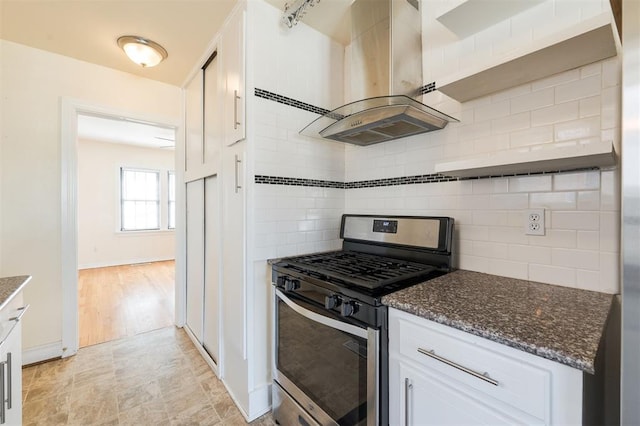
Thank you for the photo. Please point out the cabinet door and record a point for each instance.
(426, 399)
(195, 256)
(233, 253)
(233, 52)
(213, 117)
(210, 339)
(193, 123)
(11, 359)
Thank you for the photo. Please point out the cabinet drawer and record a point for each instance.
(14, 309)
(482, 367)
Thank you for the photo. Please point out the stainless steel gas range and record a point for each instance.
(331, 335)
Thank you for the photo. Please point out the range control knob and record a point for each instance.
(291, 285)
(348, 308)
(332, 301)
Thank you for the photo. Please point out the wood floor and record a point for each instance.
(121, 301)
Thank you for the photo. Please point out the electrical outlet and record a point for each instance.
(534, 222)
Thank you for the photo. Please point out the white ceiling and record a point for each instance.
(125, 131)
(88, 29)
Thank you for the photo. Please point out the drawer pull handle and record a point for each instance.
(408, 386)
(480, 376)
(21, 310)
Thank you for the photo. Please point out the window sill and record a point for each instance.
(145, 233)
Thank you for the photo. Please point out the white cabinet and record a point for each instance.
(195, 257)
(213, 115)
(232, 51)
(203, 271)
(193, 101)
(440, 375)
(11, 362)
(233, 253)
(211, 303)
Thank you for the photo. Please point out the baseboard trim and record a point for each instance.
(42, 353)
(260, 401)
(205, 355)
(120, 263)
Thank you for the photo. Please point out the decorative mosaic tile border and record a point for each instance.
(277, 180)
(403, 180)
(431, 87)
(289, 101)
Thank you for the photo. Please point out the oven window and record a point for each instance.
(328, 365)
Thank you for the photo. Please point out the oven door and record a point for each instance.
(327, 365)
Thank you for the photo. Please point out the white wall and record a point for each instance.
(581, 247)
(100, 243)
(580, 106)
(33, 83)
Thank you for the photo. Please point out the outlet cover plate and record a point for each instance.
(534, 222)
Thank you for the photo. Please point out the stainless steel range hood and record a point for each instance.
(385, 78)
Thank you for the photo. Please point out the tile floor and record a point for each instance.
(155, 378)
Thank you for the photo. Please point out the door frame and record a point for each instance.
(70, 109)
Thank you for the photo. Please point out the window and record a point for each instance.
(139, 200)
(172, 200)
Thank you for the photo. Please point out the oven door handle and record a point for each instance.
(342, 326)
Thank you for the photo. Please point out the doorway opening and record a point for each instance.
(126, 227)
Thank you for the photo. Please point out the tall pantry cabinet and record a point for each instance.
(218, 292)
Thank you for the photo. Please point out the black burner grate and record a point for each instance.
(360, 269)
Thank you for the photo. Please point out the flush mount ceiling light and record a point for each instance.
(143, 52)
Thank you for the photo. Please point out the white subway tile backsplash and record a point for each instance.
(489, 218)
(588, 200)
(588, 280)
(568, 108)
(589, 86)
(532, 100)
(611, 71)
(509, 201)
(610, 231)
(489, 249)
(473, 232)
(531, 136)
(609, 273)
(590, 107)
(577, 181)
(577, 129)
(556, 79)
(610, 190)
(578, 259)
(611, 104)
(555, 238)
(511, 123)
(591, 69)
(505, 268)
(530, 183)
(553, 200)
(473, 263)
(555, 114)
(494, 110)
(490, 186)
(529, 254)
(504, 234)
(469, 132)
(552, 275)
(589, 240)
(581, 221)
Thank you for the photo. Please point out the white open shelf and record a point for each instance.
(599, 154)
(473, 16)
(584, 43)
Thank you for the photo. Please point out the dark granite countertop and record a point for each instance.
(9, 286)
(558, 323)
